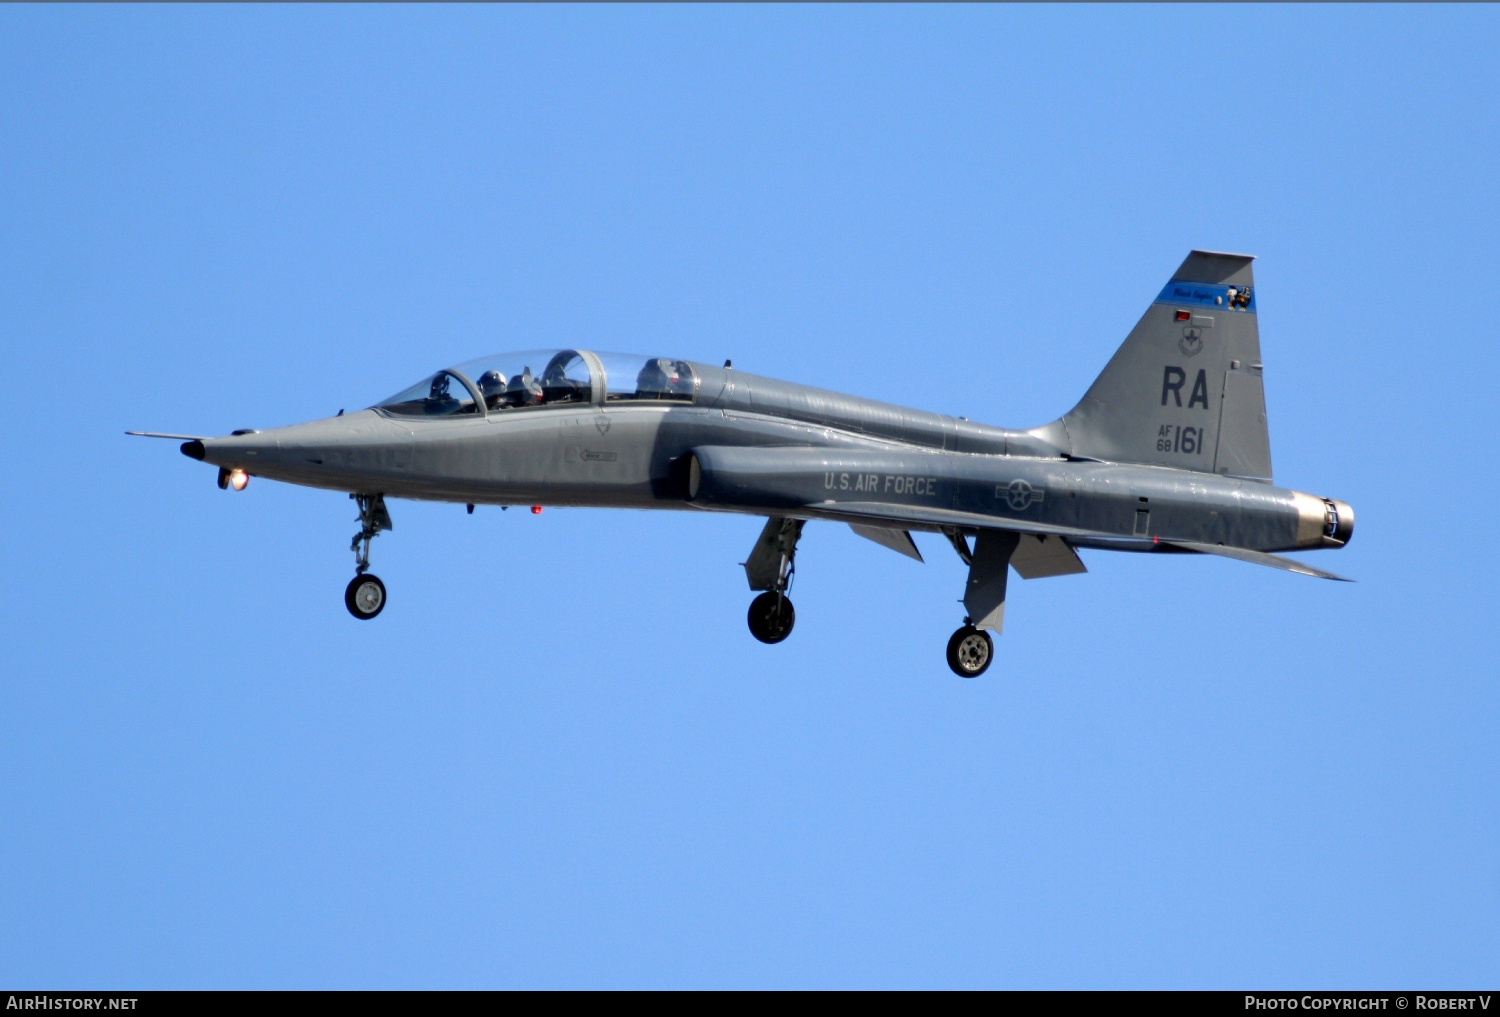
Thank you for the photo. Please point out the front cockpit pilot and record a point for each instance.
(492, 387)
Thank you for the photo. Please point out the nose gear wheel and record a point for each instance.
(365, 596)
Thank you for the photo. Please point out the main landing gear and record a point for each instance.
(971, 648)
(772, 617)
(772, 564)
(365, 594)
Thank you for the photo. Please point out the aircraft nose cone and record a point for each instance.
(193, 449)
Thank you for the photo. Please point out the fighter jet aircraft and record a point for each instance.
(1167, 452)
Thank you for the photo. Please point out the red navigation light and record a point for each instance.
(1184, 315)
(536, 510)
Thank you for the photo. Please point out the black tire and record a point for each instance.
(970, 652)
(771, 617)
(365, 596)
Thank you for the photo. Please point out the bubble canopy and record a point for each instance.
(540, 378)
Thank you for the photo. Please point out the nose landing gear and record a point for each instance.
(365, 594)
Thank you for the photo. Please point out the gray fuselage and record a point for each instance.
(742, 443)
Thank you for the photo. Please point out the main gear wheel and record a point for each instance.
(771, 617)
(970, 652)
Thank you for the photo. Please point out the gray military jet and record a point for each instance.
(1167, 452)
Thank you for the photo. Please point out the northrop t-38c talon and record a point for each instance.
(1167, 452)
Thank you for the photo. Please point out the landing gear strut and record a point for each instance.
(365, 594)
(772, 565)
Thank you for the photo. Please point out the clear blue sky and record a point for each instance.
(558, 758)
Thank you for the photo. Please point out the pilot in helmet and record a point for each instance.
(491, 386)
(524, 389)
(439, 399)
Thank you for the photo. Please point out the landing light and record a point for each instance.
(238, 479)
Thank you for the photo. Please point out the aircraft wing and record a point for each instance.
(889, 536)
(930, 517)
(1257, 558)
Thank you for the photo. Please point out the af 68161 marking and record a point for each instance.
(1176, 438)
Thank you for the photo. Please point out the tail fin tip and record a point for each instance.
(1213, 267)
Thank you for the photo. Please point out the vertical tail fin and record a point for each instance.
(1185, 389)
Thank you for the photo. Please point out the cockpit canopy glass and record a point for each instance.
(634, 377)
(530, 378)
(513, 381)
(442, 395)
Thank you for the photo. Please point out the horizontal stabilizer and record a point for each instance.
(174, 437)
(897, 540)
(1256, 558)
